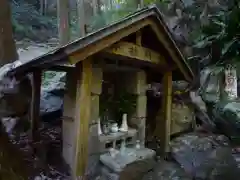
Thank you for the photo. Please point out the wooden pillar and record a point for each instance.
(35, 104)
(163, 128)
(83, 116)
(71, 116)
(93, 140)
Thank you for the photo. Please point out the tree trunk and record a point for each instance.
(81, 18)
(140, 4)
(98, 7)
(8, 53)
(63, 24)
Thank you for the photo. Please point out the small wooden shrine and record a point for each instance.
(126, 53)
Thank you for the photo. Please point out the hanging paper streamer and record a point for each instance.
(231, 82)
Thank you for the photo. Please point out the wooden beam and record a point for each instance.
(35, 104)
(83, 116)
(105, 42)
(134, 51)
(118, 35)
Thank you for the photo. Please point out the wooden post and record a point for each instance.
(164, 124)
(83, 116)
(63, 24)
(35, 104)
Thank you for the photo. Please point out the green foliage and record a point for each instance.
(117, 104)
(222, 33)
(29, 23)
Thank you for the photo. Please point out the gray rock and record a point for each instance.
(219, 165)
(15, 96)
(51, 106)
(164, 170)
(204, 156)
(137, 170)
(227, 117)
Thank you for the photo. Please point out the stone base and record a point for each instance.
(120, 161)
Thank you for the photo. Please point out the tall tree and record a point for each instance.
(81, 17)
(63, 24)
(8, 51)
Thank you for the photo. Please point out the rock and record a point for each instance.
(137, 169)
(54, 82)
(9, 123)
(219, 165)
(227, 117)
(197, 100)
(15, 96)
(196, 150)
(107, 174)
(164, 170)
(52, 92)
(210, 83)
(51, 106)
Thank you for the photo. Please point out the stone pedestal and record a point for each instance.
(113, 166)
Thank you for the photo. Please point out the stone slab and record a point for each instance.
(117, 163)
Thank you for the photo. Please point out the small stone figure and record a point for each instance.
(138, 145)
(105, 129)
(99, 127)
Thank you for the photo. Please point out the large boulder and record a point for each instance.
(210, 82)
(164, 170)
(15, 96)
(218, 165)
(137, 169)
(204, 156)
(227, 117)
(52, 92)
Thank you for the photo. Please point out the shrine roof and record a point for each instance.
(126, 26)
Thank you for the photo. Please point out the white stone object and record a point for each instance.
(114, 128)
(231, 82)
(113, 152)
(99, 127)
(138, 145)
(124, 126)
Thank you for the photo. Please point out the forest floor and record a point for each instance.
(28, 50)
